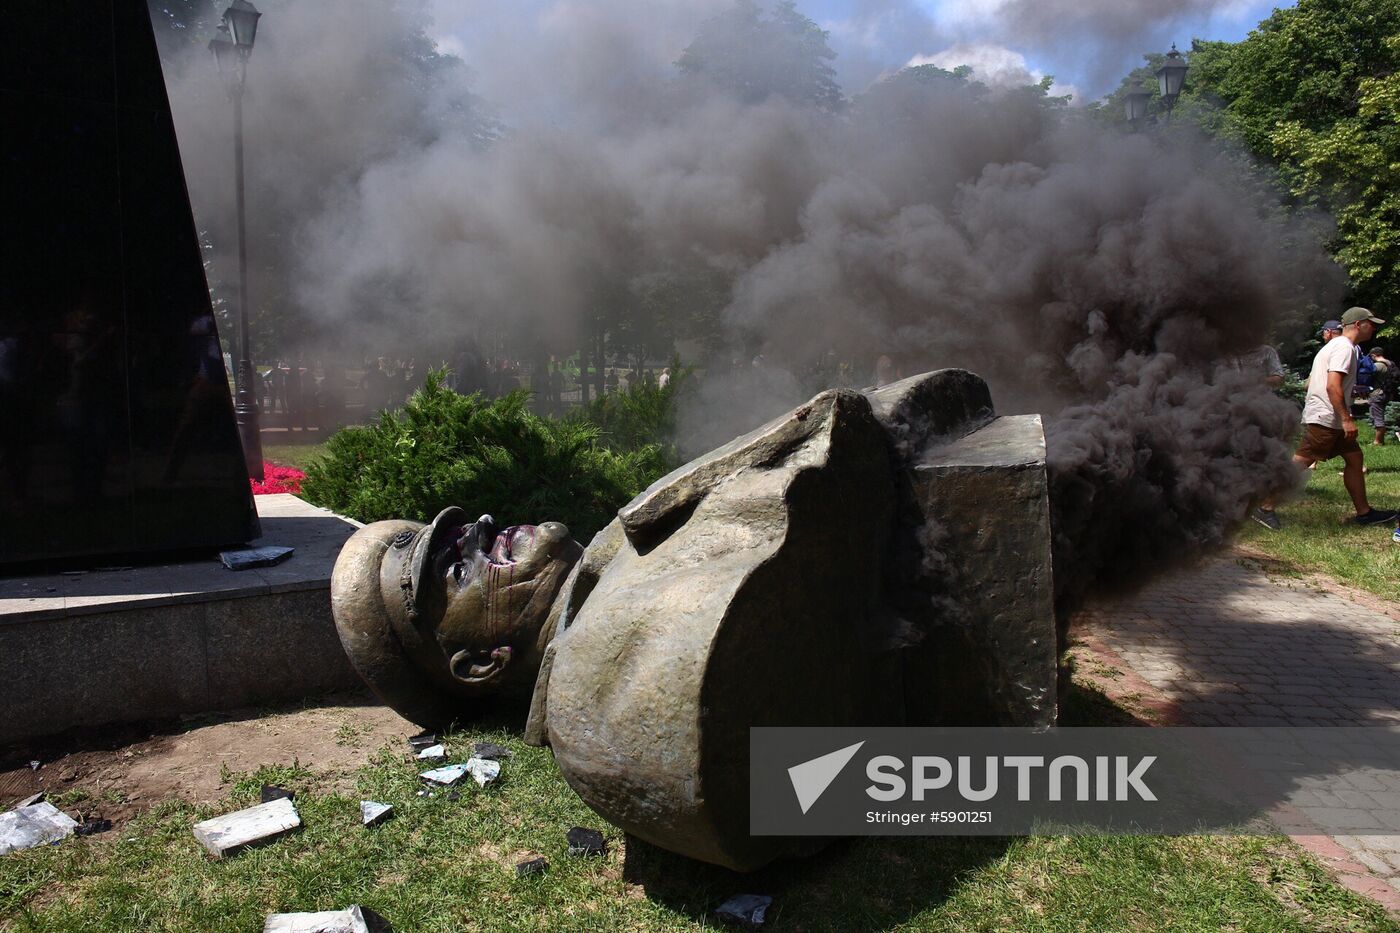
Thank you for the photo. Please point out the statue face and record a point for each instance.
(489, 591)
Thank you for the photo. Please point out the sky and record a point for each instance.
(1087, 45)
(1086, 49)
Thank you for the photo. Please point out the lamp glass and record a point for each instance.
(242, 18)
(1136, 104)
(1172, 75)
(222, 49)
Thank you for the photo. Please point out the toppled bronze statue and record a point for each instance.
(876, 558)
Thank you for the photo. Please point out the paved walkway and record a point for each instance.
(1226, 645)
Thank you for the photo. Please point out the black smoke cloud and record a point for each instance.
(1096, 277)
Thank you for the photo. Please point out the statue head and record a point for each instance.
(452, 610)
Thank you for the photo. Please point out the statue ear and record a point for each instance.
(479, 669)
(667, 504)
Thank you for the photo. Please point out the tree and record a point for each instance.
(752, 56)
(1354, 166)
(1314, 91)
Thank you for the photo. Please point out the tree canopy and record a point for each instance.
(753, 56)
(1314, 94)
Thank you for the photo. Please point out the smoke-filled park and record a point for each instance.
(765, 464)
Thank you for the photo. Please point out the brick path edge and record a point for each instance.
(1131, 691)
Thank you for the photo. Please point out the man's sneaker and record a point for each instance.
(1269, 520)
(1377, 517)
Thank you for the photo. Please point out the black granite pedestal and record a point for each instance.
(117, 434)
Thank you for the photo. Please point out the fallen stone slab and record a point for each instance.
(232, 832)
(746, 910)
(29, 801)
(432, 752)
(354, 919)
(35, 825)
(372, 813)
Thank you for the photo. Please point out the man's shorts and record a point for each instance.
(1323, 443)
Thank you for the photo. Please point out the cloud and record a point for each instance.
(994, 65)
(1099, 36)
(871, 35)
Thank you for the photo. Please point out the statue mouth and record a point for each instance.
(452, 550)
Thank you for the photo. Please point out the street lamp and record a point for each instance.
(231, 47)
(1171, 76)
(1136, 102)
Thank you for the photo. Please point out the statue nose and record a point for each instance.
(482, 534)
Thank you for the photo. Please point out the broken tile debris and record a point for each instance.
(432, 752)
(28, 801)
(534, 866)
(35, 825)
(491, 751)
(354, 919)
(271, 792)
(232, 832)
(423, 740)
(92, 827)
(586, 842)
(445, 776)
(746, 910)
(248, 558)
(483, 771)
(372, 813)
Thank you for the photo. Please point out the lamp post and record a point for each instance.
(231, 47)
(1136, 102)
(1171, 76)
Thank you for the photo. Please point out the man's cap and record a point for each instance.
(1357, 315)
(1331, 325)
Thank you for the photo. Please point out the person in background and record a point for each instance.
(1384, 380)
(1329, 429)
(884, 371)
(1262, 362)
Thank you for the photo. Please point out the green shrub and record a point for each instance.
(1294, 388)
(445, 449)
(638, 416)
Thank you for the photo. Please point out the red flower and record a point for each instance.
(278, 479)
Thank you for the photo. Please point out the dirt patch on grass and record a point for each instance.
(124, 771)
(1275, 568)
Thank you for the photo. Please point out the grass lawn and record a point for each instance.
(299, 456)
(1315, 537)
(441, 865)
